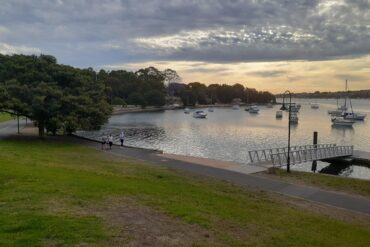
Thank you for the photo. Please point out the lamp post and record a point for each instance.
(283, 108)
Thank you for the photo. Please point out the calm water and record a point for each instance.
(228, 134)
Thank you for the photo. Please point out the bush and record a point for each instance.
(136, 99)
(155, 98)
(118, 101)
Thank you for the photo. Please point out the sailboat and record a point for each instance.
(342, 120)
(350, 114)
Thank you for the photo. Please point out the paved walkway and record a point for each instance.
(331, 198)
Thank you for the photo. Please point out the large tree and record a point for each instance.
(56, 97)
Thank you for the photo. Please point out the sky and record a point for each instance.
(275, 45)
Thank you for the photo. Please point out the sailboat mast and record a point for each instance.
(345, 99)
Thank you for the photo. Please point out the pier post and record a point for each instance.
(18, 123)
(314, 162)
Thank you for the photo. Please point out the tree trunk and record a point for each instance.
(41, 130)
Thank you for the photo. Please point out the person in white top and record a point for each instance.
(103, 141)
(110, 141)
(122, 138)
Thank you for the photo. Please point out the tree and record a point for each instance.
(154, 98)
(136, 98)
(56, 97)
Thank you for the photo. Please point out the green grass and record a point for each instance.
(344, 184)
(34, 173)
(5, 117)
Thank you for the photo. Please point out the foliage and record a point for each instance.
(133, 86)
(5, 117)
(54, 96)
(198, 93)
(360, 94)
(118, 101)
(155, 97)
(136, 98)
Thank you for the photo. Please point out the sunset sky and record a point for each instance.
(301, 45)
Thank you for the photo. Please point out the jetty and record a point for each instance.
(277, 157)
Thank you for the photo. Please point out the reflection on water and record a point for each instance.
(228, 134)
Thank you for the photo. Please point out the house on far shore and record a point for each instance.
(236, 101)
(174, 102)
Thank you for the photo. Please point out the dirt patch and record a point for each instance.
(138, 225)
(132, 224)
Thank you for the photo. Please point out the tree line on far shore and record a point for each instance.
(198, 93)
(61, 98)
(360, 94)
(150, 86)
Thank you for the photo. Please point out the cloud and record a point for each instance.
(271, 73)
(96, 32)
(9, 49)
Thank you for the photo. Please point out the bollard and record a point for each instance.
(314, 163)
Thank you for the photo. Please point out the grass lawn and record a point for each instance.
(5, 117)
(350, 185)
(54, 194)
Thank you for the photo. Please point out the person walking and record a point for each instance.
(122, 138)
(103, 142)
(110, 140)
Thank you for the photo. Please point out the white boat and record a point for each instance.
(279, 114)
(254, 109)
(314, 106)
(269, 105)
(210, 109)
(199, 114)
(294, 108)
(353, 115)
(345, 114)
(186, 110)
(247, 108)
(340, 121)
(235, 107)
(293, 118)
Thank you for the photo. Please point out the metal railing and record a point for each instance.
(305, 155)
(266, 154)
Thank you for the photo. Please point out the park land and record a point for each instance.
(58, 192)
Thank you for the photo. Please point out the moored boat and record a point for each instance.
(254, 109)
(186, 110)
(199, 114)
(293, 118)
(353, 116)
(314, 106)
(279, 114)
(340, 121)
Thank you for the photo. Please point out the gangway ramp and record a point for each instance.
(298, 154)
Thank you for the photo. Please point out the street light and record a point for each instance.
(283, 108)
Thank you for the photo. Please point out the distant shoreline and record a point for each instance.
(117, 110)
